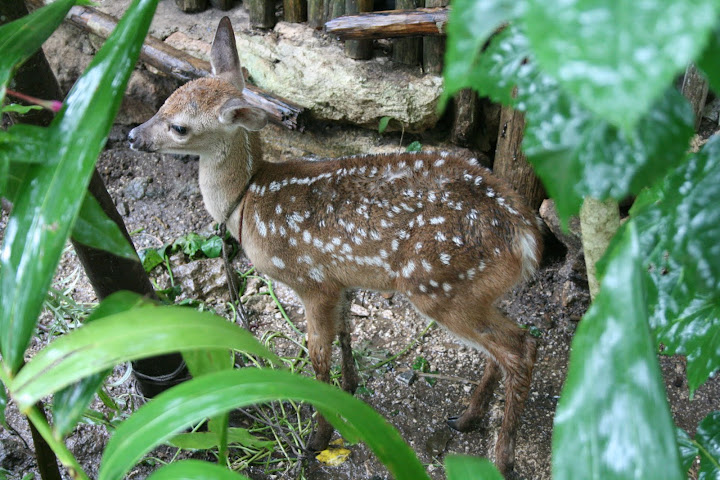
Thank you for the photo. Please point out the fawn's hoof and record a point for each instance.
(461, 424)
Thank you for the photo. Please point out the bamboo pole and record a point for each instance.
(433, 48)
(295, 10)
(316, 13)
(191, 6)
(389, 24)
(222, 4)
(262, 13)
(334, 9)
(695, 89)
(407, 51)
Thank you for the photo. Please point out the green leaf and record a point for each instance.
(212, 247)
(3, 404)
(578, 155)
(617, 57)
(414, 147)
(209, 395)
(94, 229)
(470, 24)
(49, 200)
(208, 440)
(19, 109)
(708, 61)
(189, 244)
(708, 438)
(151, 258)
(25, 144)
(613, 420)
(680, 225)
(21, 38)
(688, 449)
(137, 333)
(460, 467)
(70, 403)
(383, 124)
(194, 470)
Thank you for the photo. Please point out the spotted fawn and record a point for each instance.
(436, 227)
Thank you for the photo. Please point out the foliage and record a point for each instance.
(604, 121)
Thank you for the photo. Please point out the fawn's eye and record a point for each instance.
(179, 129)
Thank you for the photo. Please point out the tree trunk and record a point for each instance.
(358, 49)
(695, 89)
(510, 162)
(465, 117)
(598, 223)
(107, 273)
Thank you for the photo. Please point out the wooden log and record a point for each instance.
(358, 49)
(191, 6)
(262, 13)
(407, 51)
(389, 24)
(510, 162)
(222, 4)
(295, 10)
(316, 13)
(178, 64)
(465, 118)
(695, 89)
(433, 48)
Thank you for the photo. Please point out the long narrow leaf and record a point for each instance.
(3, 403)
(49, 201)
(138, 333)
(194, 470)
(176, 409)
(460, 467)
(613, 420)
(94, 229)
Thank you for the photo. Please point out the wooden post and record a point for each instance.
(695, 89)
(190, 6)
(262, 13)
(316, 13)
(465, 117)
(222, 4)
(406, 51)
(295, 10)
(433, 48)
(358, 49)
(334, 9)
(421, 22)
(510, 162)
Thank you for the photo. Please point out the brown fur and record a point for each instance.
(436, 227)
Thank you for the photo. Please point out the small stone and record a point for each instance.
(407, 377)
(122, 208)
(359, 311)
(135, 189)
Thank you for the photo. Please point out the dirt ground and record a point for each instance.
(159, 198)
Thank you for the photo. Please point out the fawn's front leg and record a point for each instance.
(322, 311)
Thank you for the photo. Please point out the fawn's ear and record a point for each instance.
(224, 56)
(237, 111)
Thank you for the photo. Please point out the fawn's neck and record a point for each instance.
(225, 173)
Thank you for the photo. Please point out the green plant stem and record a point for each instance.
(404, 350)
(64, 455)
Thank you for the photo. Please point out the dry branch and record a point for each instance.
(389, 24)
(180, 65)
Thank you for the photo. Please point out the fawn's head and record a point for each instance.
(203, 116)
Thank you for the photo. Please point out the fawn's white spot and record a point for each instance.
(439, 163)
(418, 246)
(261, 227)
(426, 265)
(440, 237)
(445, 258)
(447, 287)
(473, 161)
(318, 243)
(437, 220)
(316, 273)
(490, 192)
(278, 262)
(433, 283)
(346, 248)
(278, 209)
(306, 259)
(458, 241)
(375, 235)
(471, 273)
(422, 288)
(306, 236)
(408, 269)
(419, 164)
(394, 244)
(383, 253)
(292, 241)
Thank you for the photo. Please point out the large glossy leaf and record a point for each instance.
(617, 57)
(613, 420)
(49, 201)
(70, 403)
(708, 61)
(680, 235)
(708, 439)
(21, 38)
(176, 409)
(470, 25)
(687, 447)
(194, 470)
(94, 229)
(208, 440)
(459, 467)
(137, 333)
